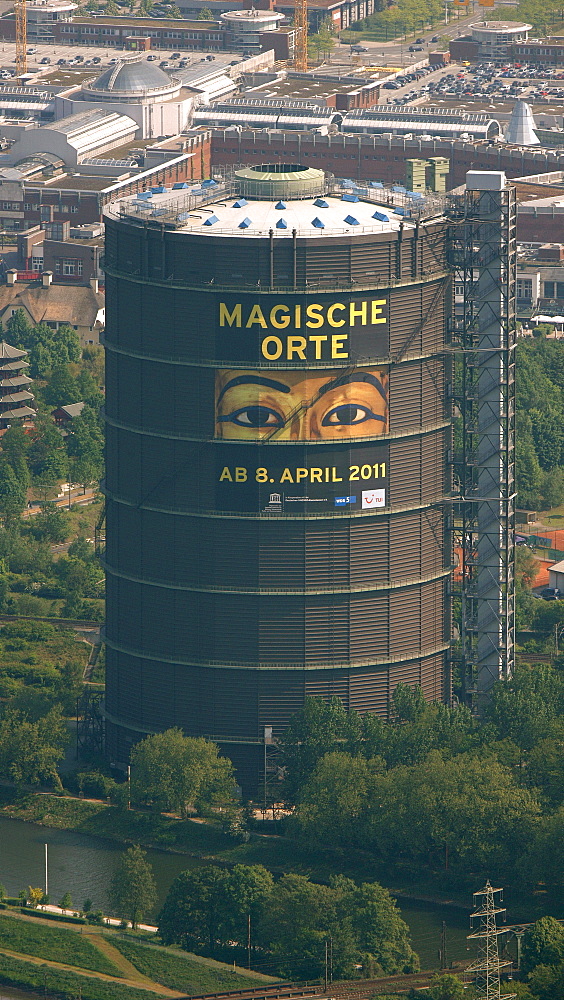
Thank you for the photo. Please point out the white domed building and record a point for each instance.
(160, 104)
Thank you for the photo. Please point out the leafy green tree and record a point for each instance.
(525, 707)
(333, 802)
(318, 728)
(29, 751)
(51, 524)
(133, 891)
(248, 889)
(173, 771)
(408, 703)
(12, 494)
(86, 446)
(66, 902)
(63, 388)
(545, 769)
(111, 8)
(18, 329)
(381, 934)
(195, 910)
(205, 14)
(547, 982)
(15, 448)
(299, 918)
(47, 454)
(446, 987)
(543, 944)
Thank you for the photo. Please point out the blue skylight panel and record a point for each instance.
(281, 224)
(245, 223)
(321, 203)
(240, 203)
(381, 217)
(318, 223)
(351, 221)
(211, 220)
(350, 197)
(280, 206)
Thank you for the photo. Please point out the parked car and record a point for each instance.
(175, 55)
(420, 41)
(551, 594)
(61, 62)
(151, 58)
(435, 38)
(96, 60)
(45, 61)
(359, 48)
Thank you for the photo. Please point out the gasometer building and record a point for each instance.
(277, 458)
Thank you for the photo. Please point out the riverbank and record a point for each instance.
(205, 842)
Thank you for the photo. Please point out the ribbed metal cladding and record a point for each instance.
(224, 613)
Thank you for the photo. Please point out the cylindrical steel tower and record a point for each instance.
(277, 458)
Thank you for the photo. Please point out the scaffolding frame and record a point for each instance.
(484, 339)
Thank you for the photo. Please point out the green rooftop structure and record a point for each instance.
(415, 175)
(440, 167)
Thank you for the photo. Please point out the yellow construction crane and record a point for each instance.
(21, 37)
(300, 22)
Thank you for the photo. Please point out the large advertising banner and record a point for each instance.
(298, 436)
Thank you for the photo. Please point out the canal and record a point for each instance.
(83, 866)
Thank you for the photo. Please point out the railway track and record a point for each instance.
(354, 989)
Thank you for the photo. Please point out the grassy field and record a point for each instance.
(67, 985)
(193, 977)
(57, 945)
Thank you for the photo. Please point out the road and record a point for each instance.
(78, 498)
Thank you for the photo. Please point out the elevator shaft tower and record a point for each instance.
(484, 247)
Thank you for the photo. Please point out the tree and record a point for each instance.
(205, 14)
(381, 934)
(51, 524)
(15, 447)
(66, 902)
(62, 388)
(318, 728)
(248, 889)
(525, 707)
(173, 771)
(12, 494)
(86, 446)
(446, 987)
(543, 944)
(35, 896)
(408, 702)
(47, 454)
(195, 914)
(29, 751)
(133, 890)
(333, 802)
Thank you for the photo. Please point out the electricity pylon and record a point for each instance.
(486, 970)
(21, 37)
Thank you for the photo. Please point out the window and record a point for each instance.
(524, 288)
(37, 263)
(71, 267)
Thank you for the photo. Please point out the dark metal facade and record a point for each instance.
(221, 621)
